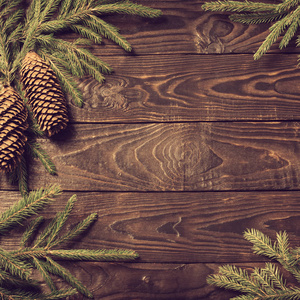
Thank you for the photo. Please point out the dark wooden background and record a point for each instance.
(186, 145)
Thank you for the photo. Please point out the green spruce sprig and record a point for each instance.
(263, 283)
(35, 27)
(41, 250)
(285, 17)
(45, 18)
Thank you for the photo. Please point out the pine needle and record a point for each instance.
(239, 6)
(66, 80)
(76, 231)
(57, 269)
(286, 16)
(262, 283)
(20, 176)
(60, 221)
(13, 265)
(87, 33)
(256, 18)
(95, 255)
(17, 264)
(30, 231)
(40, 153)
(40, 266)
(128, 8)
(27, 206)
(108, 31)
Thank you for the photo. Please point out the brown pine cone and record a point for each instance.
(45, 97)
(13, 123)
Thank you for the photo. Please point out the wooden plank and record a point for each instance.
(173, 157)
(177, 227)
(149, 281)
(185, 28)
(154, 281)
(171, 88)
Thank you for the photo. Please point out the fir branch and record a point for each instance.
(75, 65)
(40, 153)
(275, 276)
(95, 255)
(29, 253)
(262, 244)
(50, 8)
(13, 265)
(286, 15)
(76, 231)
(67, 82)
(128, 8)
(239, 6)
(65, 47)
(41, 241)
(15, 35)
(12, 20)
(57, 25)
(41, 256)
(5, 56)
(60, 221)
(9, 8)
(21, 294)
(57, 269)
(87, 33)
(276, 30)
(290, 32)
(20, 175)
(233, 278)
(27, 206)
(256, 18)
(81, 61)
(40, 266)
(76, 16)
(9, 281)
(93, 71)
(265, 283)
(108, 31)
(57, 295)
(31, 230)
(282, 246)
(65, 8)
(287, 5)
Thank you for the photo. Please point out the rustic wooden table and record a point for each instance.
(187, 144)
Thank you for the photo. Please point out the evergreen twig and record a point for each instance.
(32, 27)
(42, 253)
(267, 282)
(27, 206)
(285, 15)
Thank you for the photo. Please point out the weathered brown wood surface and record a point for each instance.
(176, 157)
(185, 146)
(176, 88)
(178, 227)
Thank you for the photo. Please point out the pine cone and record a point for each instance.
(13, 123)
(47, 101)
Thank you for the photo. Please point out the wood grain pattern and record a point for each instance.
(154, 281)
(178, 227)
(179, 152)
(185, 28)
(193, 88)
(149, 281)
(174, 157)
